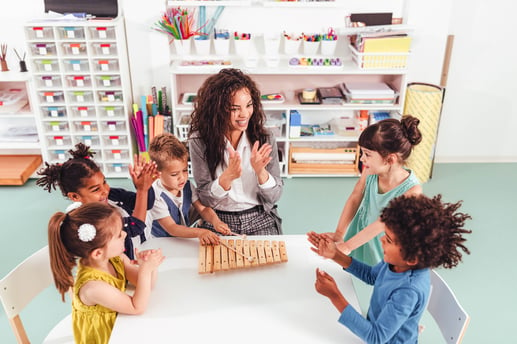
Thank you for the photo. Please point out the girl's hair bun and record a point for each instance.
(410, 127)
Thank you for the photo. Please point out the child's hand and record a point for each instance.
(208, 238)
(260, 157)
(324, 246)
(147, 175)
(222, 228)
(314, 238)
(325, 284)
(139, 163)
(149, 258)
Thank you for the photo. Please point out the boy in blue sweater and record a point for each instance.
(420, 233)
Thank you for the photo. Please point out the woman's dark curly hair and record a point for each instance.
(212, 108)
(70, 175)
(427, 229)
(392, 136)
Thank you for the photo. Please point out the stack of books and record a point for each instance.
(368, 93)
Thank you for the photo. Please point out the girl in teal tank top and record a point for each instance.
(385, 146)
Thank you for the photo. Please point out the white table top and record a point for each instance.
(265, 304)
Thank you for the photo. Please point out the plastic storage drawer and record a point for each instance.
(40, 32)
(80, 96)
(110, 111)
(115, 140)
(89, 140)
(102, 32)
(70, 32)
(117, 168)
(104, 48)
(53, 111)
(109, 96)
(116, 154)
(75, 66)
(86, 126)
(51, 96)
(59, 140)
(46, 65)
(106, 65)
(82, 111)
(74, 49)
(108, 126)
(43, 49)
(78, 81)
(48, 81)
(107, 80)
(56, 126)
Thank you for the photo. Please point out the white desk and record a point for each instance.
(266, 304)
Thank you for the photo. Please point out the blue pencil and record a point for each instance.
(145, 120)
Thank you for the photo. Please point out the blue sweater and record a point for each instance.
(396, 306)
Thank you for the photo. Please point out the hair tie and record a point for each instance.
(86, 232)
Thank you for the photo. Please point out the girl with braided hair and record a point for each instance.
(81, 180)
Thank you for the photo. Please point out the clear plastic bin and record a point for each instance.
(115, 140)
(117, 168)
(55, 126)
(110, 111)
(40, 32)
(74, 49)
(113, 126)
(102, 32)
(344, 125)
(71, 32)
(81, 96)
(105, 48)
(83, 111)
(51, 96)
(275, 125)
(49, 81)
(183, 126)
(86, 126)
(59, 140)
(109, 96)
(78, 81)
(116, 154)
(89, 140)
(58, 155)
(53, 111)
(43, 49)
(46, 65)
(106, 65)
(76, 66)
(107, 80)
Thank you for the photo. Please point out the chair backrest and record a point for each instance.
(23, 284)
(446, 310)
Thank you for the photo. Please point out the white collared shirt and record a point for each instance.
(244, 190)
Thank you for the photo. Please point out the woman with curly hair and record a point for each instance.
(234, 158)
(421, 233)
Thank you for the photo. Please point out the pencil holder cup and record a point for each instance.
(222, 46)
(182, 46)
(310, 47)
(242, 47)
(291, 46)
(271, 44)
(328, 47)
(202, 45)
(5, 68)
(23, 66)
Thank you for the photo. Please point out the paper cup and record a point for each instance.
(242, 47)
(328, 48)
(202, 46)
(182, 46)
(310, 47)
(291, 46)
(271, 44)
(222, 47)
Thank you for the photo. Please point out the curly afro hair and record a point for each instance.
(427, 230)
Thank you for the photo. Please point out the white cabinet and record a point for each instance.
(82, 86)
(18, 119)
(275, 74)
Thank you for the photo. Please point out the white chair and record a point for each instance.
(446, 310)
(22, 285)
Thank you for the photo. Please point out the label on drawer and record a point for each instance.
(49, 96)
(116, 154)
(112, 125)
(70, 32)
(114, 140)
(83, 111)
(58, 140)
(110, 111)
(102, 32)
(105, 48)
(87, 140)
(87, 126)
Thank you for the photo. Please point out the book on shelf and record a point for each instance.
(330, 95)
(390, 44)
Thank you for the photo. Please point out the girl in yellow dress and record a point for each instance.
(92, 238)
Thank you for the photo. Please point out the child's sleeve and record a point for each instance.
(393, 315)
(366, 273)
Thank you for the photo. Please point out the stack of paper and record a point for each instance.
(368, 93)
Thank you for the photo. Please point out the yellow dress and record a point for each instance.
(93, 324)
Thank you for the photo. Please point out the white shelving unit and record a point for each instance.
(82, 85)
(281, 77)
